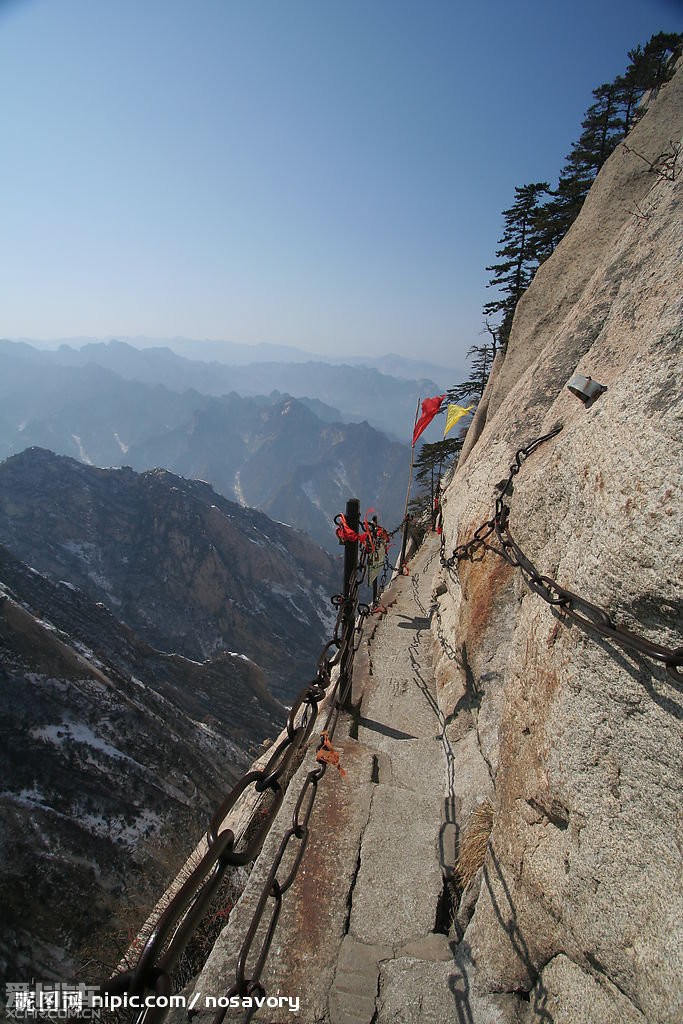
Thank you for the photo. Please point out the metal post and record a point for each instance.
(350, 606)
(404, 541)
(404, 545)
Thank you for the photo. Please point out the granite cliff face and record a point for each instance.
(577, 741)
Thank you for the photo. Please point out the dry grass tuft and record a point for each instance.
(474, 842)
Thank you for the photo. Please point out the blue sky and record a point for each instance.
(329, 175)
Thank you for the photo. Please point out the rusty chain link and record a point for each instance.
(575, 607)
(179, 920)
(388, 569)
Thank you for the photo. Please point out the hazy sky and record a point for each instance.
(322, 173)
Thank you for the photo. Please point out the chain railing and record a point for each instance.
(177, 923)
(179, 920)
(574, 606)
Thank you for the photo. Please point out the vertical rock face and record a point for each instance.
(579, 739)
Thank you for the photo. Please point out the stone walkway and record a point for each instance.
(361, 936)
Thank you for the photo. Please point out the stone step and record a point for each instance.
(399, 882)
(353, 992)
(398, 706)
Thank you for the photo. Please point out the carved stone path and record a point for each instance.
(361, 938)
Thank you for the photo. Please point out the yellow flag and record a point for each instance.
(455, 413)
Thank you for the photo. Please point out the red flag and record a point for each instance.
(430, 407)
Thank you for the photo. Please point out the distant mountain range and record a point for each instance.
(149, 627)
(358, 392)
(234, 354)
(294, 459)
(145, 624)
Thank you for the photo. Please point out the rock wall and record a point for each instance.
(577, 741)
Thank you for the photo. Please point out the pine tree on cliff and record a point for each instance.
(606, 123)
(518, 255)
(654, 64)
(472, 388)
(602, 131)
(649, 67)
(434, 458)
(535, 225)
(430, 465)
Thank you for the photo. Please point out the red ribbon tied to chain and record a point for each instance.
(328, 755)
(347, 535)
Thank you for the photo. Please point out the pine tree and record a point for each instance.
(430, 465)
(607, 121)
(472, 389)
(602, 131)
(548, 226)
(435, 458)
(539, 218)
(518, 255)
(648, 68)
(630, 91)
(656, 63)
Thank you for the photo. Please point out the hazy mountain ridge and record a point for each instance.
(236, 354)
(353, 460)
(292, 458)
(283, 460)
(360, 392)
(87, 412)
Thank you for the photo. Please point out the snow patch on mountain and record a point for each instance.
(80, 733)
(82, 454)
(124, 447)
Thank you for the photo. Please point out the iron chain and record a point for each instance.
(575, 607)
(180, 918)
